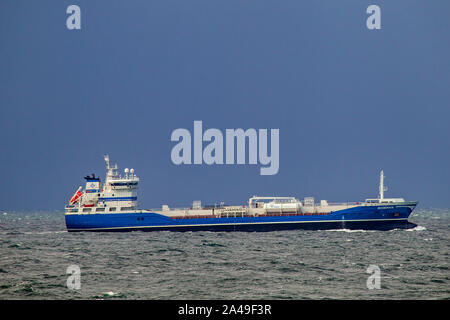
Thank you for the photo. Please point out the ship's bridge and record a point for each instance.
(119, 191)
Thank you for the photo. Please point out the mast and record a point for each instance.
(382, 188)
(111, 171)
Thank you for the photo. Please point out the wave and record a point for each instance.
(46, 232)
(108, 294)
(350, 230)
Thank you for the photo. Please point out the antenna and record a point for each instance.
(106, 156)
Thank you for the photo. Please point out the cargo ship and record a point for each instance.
(113, 206)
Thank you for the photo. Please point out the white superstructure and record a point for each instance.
(118, 193)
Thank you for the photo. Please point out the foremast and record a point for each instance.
(382, 187)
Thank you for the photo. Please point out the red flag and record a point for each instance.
(76, 196)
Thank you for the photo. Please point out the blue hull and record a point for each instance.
(362, 217)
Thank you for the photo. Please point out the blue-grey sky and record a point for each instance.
(347, 100)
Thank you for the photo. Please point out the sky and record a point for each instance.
(348, 101)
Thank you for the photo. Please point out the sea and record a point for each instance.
(38, 256)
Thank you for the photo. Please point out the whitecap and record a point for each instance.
(418, 228)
